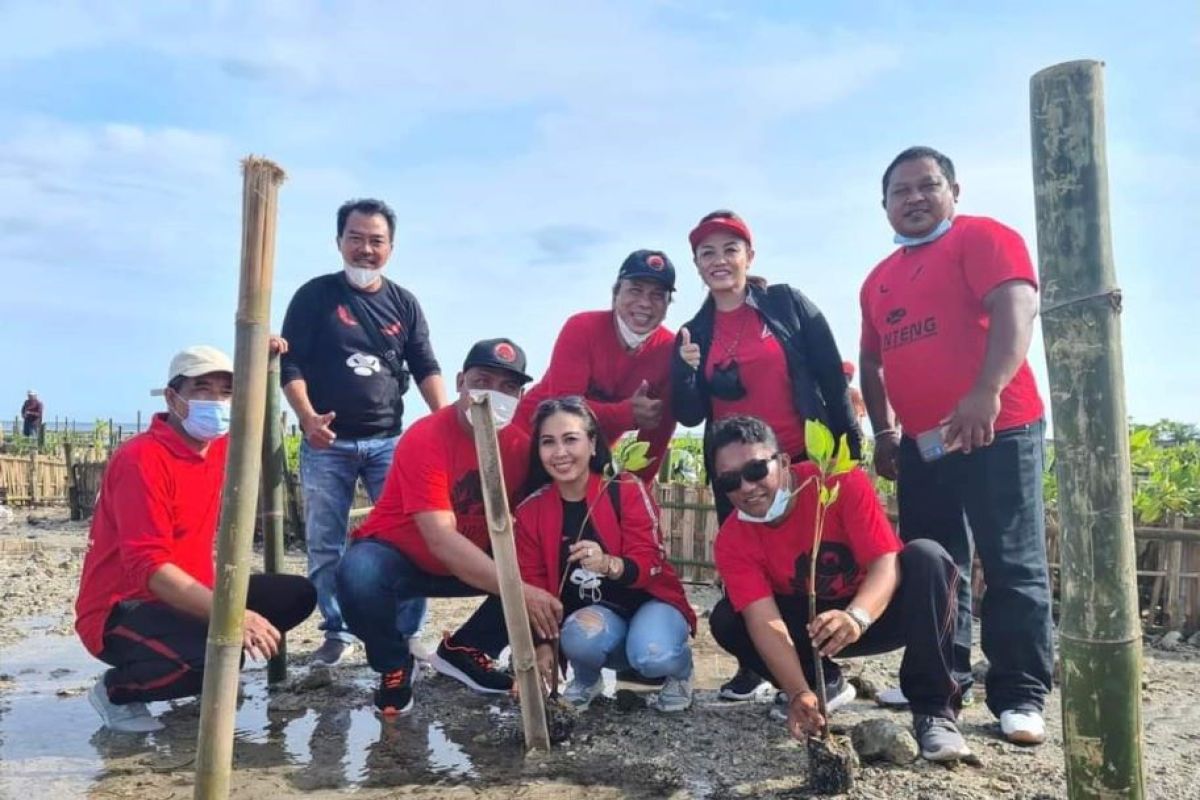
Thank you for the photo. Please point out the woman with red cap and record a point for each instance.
(758, 350)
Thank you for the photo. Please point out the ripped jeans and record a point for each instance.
(654, 642)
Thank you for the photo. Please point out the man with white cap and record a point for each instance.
(32, 411)
(146, 591)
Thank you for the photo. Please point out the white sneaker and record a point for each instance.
(127, 718)
(675, 695)
(892, 697)
(418, 649)
(1023, 727)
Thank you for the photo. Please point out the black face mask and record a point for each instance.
(726, 381)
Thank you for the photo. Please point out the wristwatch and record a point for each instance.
(861, 617)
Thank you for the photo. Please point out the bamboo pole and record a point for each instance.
(512, 596)
(214, 748)
(271, 502)
(1099, 631)
(72, 486)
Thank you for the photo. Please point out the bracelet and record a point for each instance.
(860, 617)
(886, 432)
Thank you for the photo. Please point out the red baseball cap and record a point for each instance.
(731, 224)
(848, 369)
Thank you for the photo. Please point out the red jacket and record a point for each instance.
(636, 536)
(159, 503)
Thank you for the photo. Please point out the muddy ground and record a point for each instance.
(319, 738)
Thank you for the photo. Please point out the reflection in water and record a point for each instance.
(446, 756)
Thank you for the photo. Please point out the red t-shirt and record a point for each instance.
(757, 560)
(743, 335)
(435, 468)
(159, 503)
(590, 360)
(923, 312)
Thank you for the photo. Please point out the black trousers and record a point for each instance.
(990, 501)
(157, 652)
(920, 618)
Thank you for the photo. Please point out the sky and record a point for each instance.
(527, 147)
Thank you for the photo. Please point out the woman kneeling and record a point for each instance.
(595, 543)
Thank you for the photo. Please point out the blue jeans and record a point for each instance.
(328, 478)
(383, 598)
(990, 501)
(654, 642)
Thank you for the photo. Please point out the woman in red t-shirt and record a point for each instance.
(758, 350)
(595, 543)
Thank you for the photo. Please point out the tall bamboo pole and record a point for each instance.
(271, 501)
(504, 552)
(214, 749)
(1099, 630)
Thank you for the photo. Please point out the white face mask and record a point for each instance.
(939, 230)
(778, 507)
(362, 277)
(503, 406)
(631, 339)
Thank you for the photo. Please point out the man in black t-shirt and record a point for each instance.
(355, 338)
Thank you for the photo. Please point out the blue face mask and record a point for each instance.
(207, 419)
(912, 241)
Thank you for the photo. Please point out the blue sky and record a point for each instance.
(529, 146)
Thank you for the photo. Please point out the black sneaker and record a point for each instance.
(471, 667)
(742, 686)
(633, 676)
(394, 697)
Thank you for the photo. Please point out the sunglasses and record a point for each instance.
(752, 471)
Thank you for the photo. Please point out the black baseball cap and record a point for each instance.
(650, 265)
(499, 353)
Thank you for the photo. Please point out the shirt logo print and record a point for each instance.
(363, 365)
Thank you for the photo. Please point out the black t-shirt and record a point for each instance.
(615, 594)
(344, 371)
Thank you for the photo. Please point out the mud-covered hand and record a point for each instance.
(804, 717)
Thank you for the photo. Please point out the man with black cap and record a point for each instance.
(146, 590)
(428, 537)
(619, 359)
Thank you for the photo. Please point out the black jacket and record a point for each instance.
(819, 387)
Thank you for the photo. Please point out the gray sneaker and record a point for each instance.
(126, 718)
(939, 739)
(675, 695)
(331, 653)
(581, 696)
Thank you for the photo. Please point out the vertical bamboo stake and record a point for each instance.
(271, 501)
(214, 748)
(504, 552)
(72, 485)
(1099, 631)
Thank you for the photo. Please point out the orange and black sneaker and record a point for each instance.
(394, 696)
(471, 667)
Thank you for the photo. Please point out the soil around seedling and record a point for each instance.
(317, 735)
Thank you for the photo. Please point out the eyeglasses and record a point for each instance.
(752, 471)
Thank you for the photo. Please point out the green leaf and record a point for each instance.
(833, 494)
(819, 442)
(824, 495)
(844, 462)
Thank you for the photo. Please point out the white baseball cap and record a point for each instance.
(198, 360)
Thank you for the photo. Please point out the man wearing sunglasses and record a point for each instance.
(874, 594)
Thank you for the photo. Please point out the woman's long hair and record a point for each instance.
(538, 476)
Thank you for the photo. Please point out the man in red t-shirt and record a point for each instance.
(874, 594)
(619, 359)
(428, 537)
(146, 590)
(946, 324)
